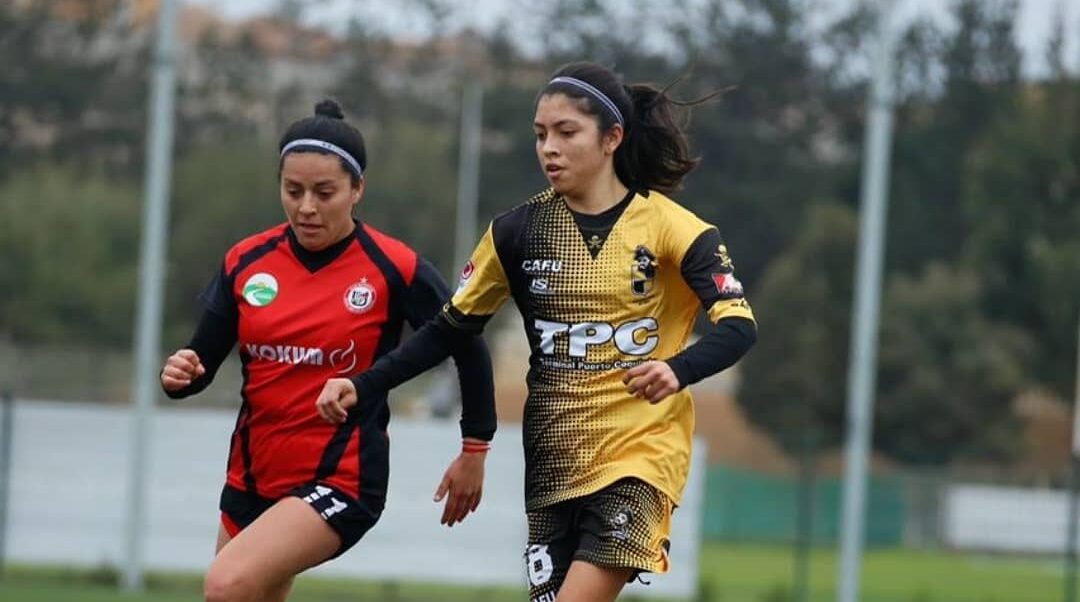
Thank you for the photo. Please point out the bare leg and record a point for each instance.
(261, 561)
(586, 582)
(223, 538)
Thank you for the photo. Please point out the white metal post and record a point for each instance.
(151, 277)
(862, 364)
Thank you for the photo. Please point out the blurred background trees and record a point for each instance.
(983, 280)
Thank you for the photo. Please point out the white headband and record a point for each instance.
(591, 89)
(337, 150)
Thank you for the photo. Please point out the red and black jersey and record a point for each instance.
(302, 317)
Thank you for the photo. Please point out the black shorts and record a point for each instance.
(349, 517)
(624, 525)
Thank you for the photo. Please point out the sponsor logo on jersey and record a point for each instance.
(343, 359)
(540, 286)
(636, 337)
(541, 266)
(260, 290)
(360, 297)
(466, 273)
(728, 285)
(643, 271)
(287, 354)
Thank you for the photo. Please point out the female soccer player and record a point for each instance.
(608, 273)
(321, 295)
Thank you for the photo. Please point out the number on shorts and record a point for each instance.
(540, 565)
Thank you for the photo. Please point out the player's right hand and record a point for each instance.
(180, 369)
(338, 395)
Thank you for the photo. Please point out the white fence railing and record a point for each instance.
(1005, 519)
(70, 473)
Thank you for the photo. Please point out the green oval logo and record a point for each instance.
(261, 289)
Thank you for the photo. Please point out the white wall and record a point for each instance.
(1005, 519)
(69, 479)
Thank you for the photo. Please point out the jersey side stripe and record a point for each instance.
(374, 462)
(372, 453)
(331, 456)
(244, 428)
(245, 431)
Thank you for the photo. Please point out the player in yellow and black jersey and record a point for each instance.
(609, 275)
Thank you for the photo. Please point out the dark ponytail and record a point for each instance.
(328, 125)
(654, 153)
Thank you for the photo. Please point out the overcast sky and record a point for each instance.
(1036, 18)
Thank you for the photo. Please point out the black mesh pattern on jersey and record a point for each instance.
(552, 450)
(566, 284)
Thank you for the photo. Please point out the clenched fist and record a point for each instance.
(180, 369)
(338, 395)
(652, 381)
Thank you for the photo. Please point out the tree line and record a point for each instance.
(983, 252)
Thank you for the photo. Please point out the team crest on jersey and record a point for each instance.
(643, 271)
(620, 524)
(722, 255)
(260, 290)
(360, 297)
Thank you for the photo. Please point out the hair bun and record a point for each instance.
(329, 108)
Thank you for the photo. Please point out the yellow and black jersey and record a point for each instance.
(600, 294)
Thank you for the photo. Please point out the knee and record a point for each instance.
(224, 585)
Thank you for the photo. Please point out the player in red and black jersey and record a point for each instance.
(320, 296)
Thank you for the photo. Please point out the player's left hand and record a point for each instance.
(464, 483)
(652, 380)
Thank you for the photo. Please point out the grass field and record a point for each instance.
(729, 573)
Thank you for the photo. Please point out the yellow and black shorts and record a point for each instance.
(624, 525)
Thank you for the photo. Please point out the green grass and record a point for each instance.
(729, 573)
(763, 574)
(41, 584)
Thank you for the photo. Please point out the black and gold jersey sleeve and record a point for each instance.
(483, 287)
(707, 268)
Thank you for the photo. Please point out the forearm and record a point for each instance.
(478, 419)
(425, 349)
(717, 350)
(214, 337)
